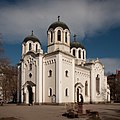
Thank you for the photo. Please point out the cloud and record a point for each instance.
(19, 18)
(111, 64)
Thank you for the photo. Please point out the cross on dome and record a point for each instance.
(74, 37)
(32, 33)
(58, 18)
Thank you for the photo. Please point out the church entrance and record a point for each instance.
(30, 93)
(78, 92)
(79, 95)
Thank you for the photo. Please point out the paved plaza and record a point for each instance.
(50, 112)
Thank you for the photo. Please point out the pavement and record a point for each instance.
(54, 112)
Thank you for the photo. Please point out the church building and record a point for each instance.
(61, 74)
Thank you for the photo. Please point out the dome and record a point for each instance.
(32, 38)
(58, 24)
(76, 45)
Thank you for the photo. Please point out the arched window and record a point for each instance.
(66, 37)
(51, 36)
(86, 88)
(30, 66)
(66, 73)
(83, 55)
(66, 92)
(36, 47)
(30, 75)
(98, 84)
(50, 73)
(59, 35)
(74, 52)
(30, 46)
(78, 92)
(79, 54)
(50, 92)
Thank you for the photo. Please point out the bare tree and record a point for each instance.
(114, 83)
(1, 48)
(3, 61)
(8, 76)
(9, 83)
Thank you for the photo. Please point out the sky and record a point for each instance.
(95, 22)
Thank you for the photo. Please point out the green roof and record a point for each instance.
(32, 38)
(76, 45)
(58, 24)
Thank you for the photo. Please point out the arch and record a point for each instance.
(79, 53)
(51, 36)
(83, 54)
(66, 92)
(30, 46)
(59, 35)
(98, 84)
(66, 38)
(66, 73)
(36, 47)
(30, 93)
(50, 73)
(50, 92)
(86, 88)
(79, 84)
(78, 90)
(30, 75)
(74, 52)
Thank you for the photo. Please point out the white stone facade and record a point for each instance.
(61, 74)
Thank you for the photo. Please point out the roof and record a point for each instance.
(76, 44)
(32, 38)
(30, 83)
(58, 24)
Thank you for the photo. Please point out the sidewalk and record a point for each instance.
(49, 112)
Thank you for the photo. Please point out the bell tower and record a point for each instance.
(31, 44)
(78, 51)
(58, 37)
